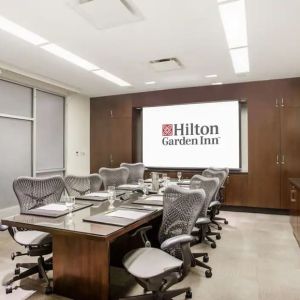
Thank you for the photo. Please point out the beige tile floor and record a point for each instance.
(257, 258)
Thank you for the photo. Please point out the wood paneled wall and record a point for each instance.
(272, 127)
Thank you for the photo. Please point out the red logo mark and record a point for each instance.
(167, 129)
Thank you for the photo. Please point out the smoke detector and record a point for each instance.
(166, 64)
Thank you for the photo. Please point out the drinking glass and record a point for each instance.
(164, 178)
(143, 186)
(69, 202)
(111, 191)
(179, 174)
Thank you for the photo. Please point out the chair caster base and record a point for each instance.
(206, 258)
(17, 271)
(213, 245)
(188, 295)
(8, 289)
(226, 222)
(208, 273)
(218, 236)
(48, 290)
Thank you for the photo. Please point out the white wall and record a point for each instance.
(77, 134)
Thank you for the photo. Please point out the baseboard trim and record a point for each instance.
(273, 211)
(9, 211)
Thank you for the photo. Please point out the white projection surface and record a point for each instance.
(192, 135)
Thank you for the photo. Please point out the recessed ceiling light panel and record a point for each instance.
(21, 32)
(150, 82)
(233, 15)
(240, 60)
(108, 76)
(69, 56)
(211, 76)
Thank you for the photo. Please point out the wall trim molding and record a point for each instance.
(9, 211)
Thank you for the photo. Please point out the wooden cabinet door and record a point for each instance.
(290, 150)
(264, 146)
(236, 192)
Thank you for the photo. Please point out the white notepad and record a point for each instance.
(128, 186)
(57, 207)
(97, 194)
(128, 214)
(155, 198)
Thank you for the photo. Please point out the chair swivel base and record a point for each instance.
(196, 262)
(32, 268)
(166, 295)
(221, 219)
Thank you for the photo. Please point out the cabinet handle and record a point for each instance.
(282, 102)
(111, 113)
(282, 160)
(277, 159)
(293, 198)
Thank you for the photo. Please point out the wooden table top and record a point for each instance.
(73, 224)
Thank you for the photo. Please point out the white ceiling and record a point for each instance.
(188, 30)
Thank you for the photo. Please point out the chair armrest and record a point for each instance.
(214, 203)
(142, 231)
(3, 227)
(180, 239)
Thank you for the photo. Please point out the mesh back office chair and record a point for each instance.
(81, 185)
(136, 171)
(209, 185)
(31, 193)
(216, 203)
(157, 270)
(114, 176)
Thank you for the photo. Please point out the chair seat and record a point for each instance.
(149, 262)
(32, 238)
(203, 220)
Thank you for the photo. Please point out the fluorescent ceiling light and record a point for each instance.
(21, 32)
(70, 57)
(150, 82)
(240, 60)
(108, 76)
(211, 76)
(233, 15)
(217, 83)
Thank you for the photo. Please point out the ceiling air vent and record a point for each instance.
(166, 64)
(107, 13)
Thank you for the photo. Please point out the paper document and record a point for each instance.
(185, 181)
(57, 207)
(128, 186)
(128, 214)
(155, 198)
(97, 194)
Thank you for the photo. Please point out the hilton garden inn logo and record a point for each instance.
(190, 134)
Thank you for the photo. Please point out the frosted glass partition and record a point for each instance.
(15, 156)
(49, 131)
(15, 99)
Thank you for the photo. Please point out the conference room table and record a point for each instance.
(82, 251)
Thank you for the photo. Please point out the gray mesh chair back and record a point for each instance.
(136, 171)
(220, 169)
(209, 185)
(34, 192)
(221, 175)
(181, 210)
(81, 185)
(114, 176)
